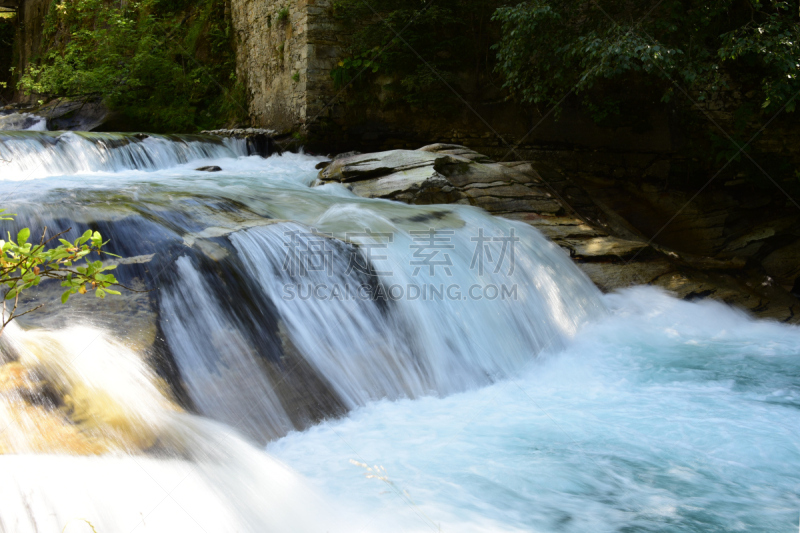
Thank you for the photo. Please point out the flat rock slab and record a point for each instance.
(365, 166)
(397, 183)
(442, 173)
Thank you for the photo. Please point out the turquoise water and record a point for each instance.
(666, 416)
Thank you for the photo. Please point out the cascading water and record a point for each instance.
(35, 155)
(465, 353)
(22, 122)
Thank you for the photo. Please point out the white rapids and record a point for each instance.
(333, 382)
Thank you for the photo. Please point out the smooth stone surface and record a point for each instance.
(365, 166)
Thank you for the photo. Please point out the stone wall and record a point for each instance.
(285, 52)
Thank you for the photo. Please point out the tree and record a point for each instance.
(405, 42)
(162, 65)
(24, 265)
(615, 48)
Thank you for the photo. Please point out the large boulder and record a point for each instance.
(74, 115)
(441, 173)
(404, 175)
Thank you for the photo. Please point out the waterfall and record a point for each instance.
(405, 335)
(248, 332)
(219, 363)
(289, 339)
(28, 155)
(89, 438)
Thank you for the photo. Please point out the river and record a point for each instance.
(308, 360)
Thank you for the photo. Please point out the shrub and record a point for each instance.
(162, 69)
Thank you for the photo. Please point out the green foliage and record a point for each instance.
(451, 36)
(549, 47)
(164, 64)
(770, 44)
(23, 265)
(350, 67)
(296, 77)
(283, 14)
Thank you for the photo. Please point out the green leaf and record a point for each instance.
(85, 237)
(22, 236)
(65, 296)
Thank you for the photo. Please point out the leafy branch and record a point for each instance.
(24, 265)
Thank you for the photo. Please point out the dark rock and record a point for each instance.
(209, 169)
(322, 164)
(75, 115)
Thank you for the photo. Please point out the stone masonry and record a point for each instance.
(285, 52)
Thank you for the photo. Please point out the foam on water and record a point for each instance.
(33, 155)
(667, 416)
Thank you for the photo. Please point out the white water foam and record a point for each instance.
(28, 155)
(665, 417)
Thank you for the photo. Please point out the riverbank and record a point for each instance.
(754, 268)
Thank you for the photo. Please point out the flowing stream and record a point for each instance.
(298, 358)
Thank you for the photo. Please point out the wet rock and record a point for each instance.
(209, 169)
(784, 264)
(610, 276)
(746, 290)
(260, 141)
(381, 164)
(75, 115)
(458, 150)
(240, 132)
(441, 173)
(345, 155)
(408, 176)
